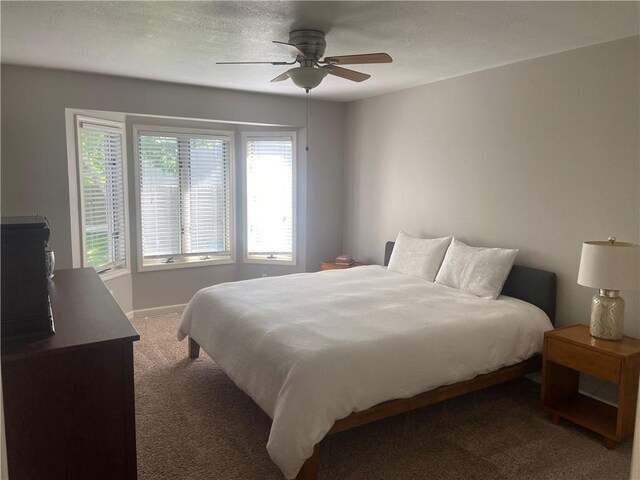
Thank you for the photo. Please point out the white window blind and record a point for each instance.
(185, 198)
(270, 180)
(102, 194)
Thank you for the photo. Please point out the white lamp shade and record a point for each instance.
(307, 77)
(609, 267)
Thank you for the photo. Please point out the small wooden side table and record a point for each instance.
(335, 266)
(571, 350)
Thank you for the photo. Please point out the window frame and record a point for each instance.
(121, 128)
(262, 260)
(168, 130)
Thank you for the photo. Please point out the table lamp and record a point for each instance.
(609, 266)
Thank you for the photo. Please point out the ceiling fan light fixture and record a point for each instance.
(307, 77)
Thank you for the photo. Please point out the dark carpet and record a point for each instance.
(194, 423)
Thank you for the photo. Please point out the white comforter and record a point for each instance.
(312, 348)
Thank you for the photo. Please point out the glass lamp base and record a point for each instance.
(607, 317)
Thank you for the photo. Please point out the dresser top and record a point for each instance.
(84, 313)
(579, 335)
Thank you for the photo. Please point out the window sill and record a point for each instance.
(272, 261)
(178, 265)
(121, 272)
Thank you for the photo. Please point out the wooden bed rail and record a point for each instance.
(309, 470)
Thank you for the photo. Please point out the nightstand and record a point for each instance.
(571, 350)
(334, 266)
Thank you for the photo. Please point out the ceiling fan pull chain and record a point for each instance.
(308, 99)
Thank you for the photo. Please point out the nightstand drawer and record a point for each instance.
(585, 360)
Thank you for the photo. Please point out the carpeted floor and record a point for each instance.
(194, 423)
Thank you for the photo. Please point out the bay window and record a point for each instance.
(270, 178)
(185, 197)
(102, 192)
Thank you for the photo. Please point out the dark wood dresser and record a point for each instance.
(69, 404)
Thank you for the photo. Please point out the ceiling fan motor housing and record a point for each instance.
(309, 42)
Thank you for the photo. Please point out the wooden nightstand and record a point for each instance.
(334, 266)
(571, 350)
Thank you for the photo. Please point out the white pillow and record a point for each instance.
(481, 271)
(418, 257)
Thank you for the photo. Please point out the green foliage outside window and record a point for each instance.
(98, 162)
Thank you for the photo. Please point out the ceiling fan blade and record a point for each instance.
(254, 63)
(281, 77)
(291, 48)
(356, 59)
(346, 73)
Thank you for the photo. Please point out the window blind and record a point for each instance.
(270, 197)
(102, 196)
(185, 197)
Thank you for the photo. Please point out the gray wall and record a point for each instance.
(34, 160)
(540, 155)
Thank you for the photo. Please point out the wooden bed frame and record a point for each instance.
(529, 284)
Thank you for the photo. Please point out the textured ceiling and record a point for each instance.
(181, 41)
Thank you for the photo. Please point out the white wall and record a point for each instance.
(540, 155)
(34, 159)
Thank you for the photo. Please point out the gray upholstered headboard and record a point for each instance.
(526, 283)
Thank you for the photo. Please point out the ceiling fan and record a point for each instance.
(307, 48)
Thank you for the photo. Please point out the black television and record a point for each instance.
(25, 307)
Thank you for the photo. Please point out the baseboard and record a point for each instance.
(150, 312)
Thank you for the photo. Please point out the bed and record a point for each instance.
(324, 352)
